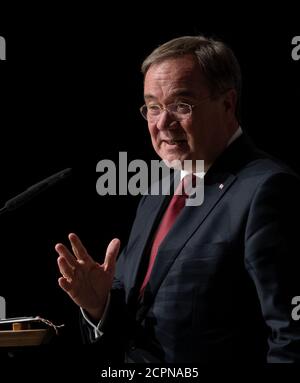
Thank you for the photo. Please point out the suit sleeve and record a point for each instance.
(110, 344)
(272, 259)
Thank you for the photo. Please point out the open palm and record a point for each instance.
(87, 282)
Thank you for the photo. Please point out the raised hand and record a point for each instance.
(87, 282)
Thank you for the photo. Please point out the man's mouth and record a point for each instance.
(174, 142)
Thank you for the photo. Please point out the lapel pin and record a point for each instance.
(221, 186)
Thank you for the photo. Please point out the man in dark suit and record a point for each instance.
(219, 283)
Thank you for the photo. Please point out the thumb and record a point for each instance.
(111, 255)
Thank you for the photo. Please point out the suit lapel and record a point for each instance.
(143, 240)
(153, 214)
(191, 217)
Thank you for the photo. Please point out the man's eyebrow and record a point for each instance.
(149, 97)
(178, 93)
(183, 93)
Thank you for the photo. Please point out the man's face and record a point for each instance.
(203, 134)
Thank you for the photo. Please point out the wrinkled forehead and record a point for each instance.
(180, 75)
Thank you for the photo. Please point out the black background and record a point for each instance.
(70, 91)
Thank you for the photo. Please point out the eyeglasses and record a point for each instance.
(178, 110)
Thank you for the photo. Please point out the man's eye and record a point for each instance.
(182, 107)
(153, 107)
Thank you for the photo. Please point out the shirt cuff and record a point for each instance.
(97, 328)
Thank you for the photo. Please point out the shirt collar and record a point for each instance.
(235, 135)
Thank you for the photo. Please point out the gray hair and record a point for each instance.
(218, 63)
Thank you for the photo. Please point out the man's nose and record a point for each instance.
(165, 120)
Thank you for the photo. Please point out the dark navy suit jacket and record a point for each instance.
(224, 276)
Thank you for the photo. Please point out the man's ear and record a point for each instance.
(230, 100)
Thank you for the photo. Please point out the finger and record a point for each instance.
(78, 248)
(63, 251)
(65, 285)
(65, 268)
(68, 287)
(111, 255)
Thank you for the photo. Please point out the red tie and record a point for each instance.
(176, 204)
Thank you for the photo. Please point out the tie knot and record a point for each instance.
(186, 185)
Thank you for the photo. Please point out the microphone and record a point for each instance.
(34, 190)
